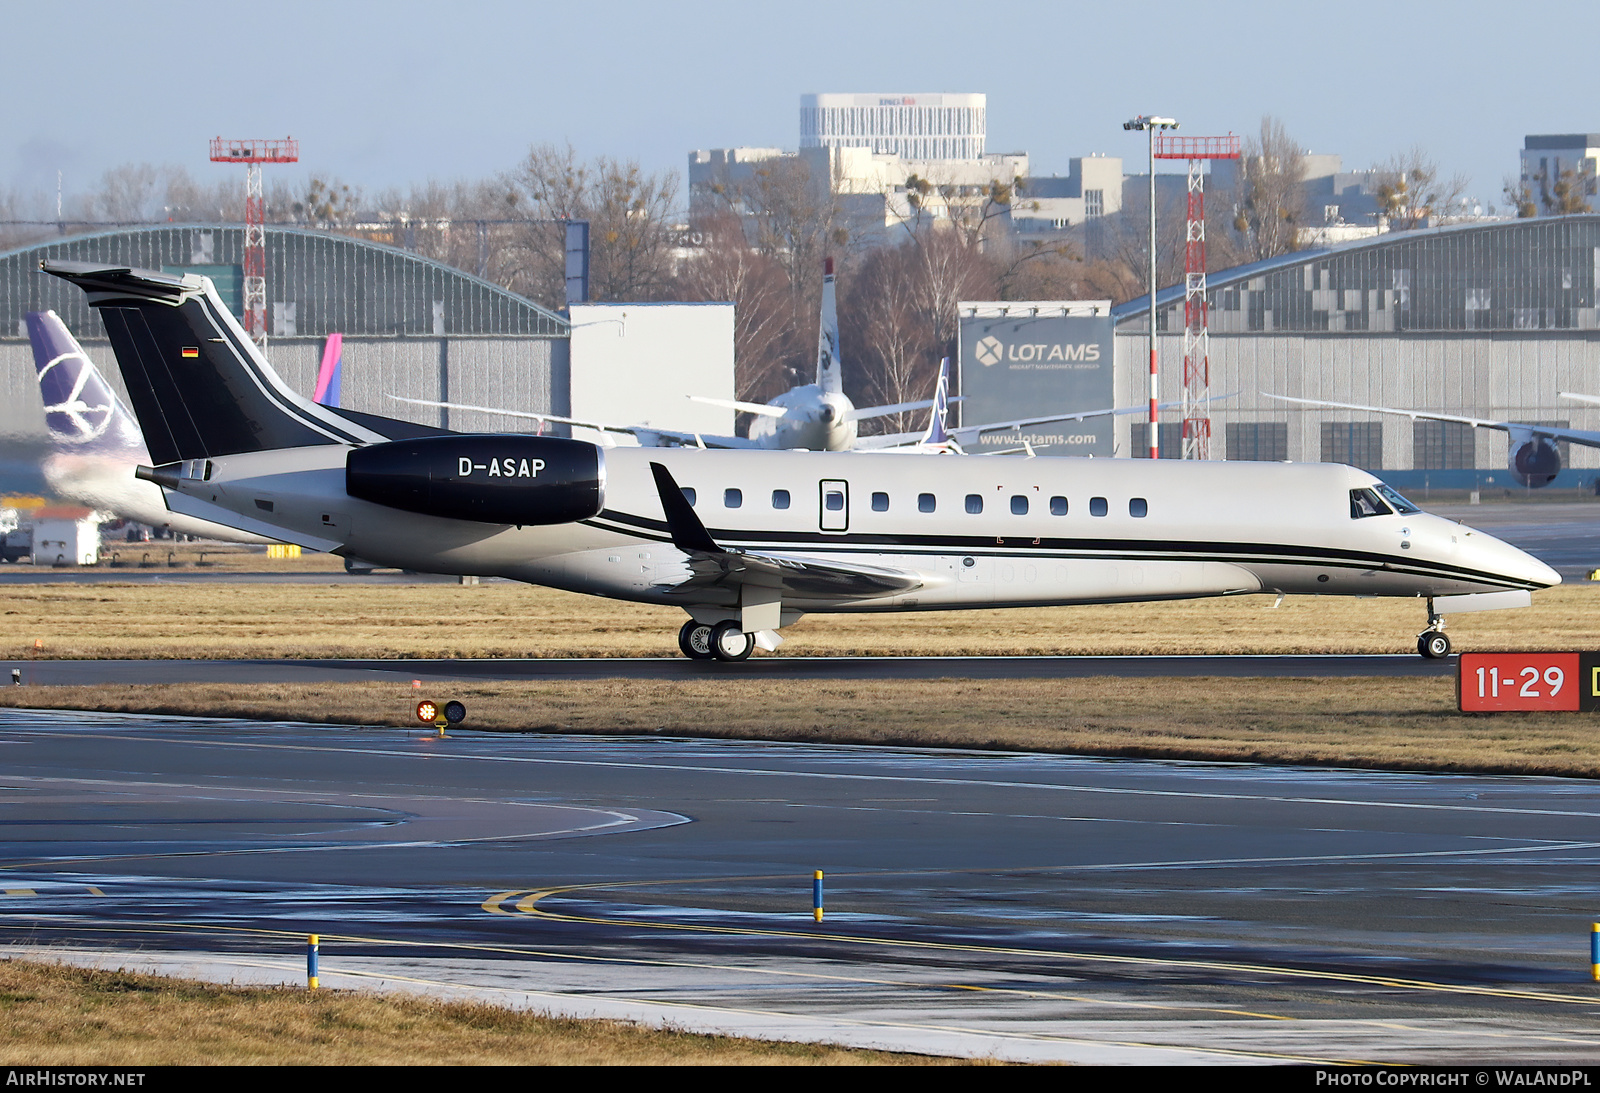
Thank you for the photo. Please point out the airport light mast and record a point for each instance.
(253, 153)
(1151, 124)
(1196, 347)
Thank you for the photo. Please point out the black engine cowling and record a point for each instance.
(493, 478)
(1535, 463)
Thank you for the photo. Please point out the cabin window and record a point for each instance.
(688, 494)
(974, 503)
(1098, 506)
(1019, 505)
(1365, 503)
(880, 502)
(833, 500)
(732, 499)
(780, 499)
(925, 502)
(1058, 506)
(1138, 506)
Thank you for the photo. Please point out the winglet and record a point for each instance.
(688, 533)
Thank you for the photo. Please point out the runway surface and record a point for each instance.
(79, 672)
(1021, 906)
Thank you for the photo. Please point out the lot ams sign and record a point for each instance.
(990, 351)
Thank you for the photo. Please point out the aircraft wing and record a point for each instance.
(1521, 428)
(712, 565)
(759, 408)
(1580, 398)
(648, 435)
(864, 412)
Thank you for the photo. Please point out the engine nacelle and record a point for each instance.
(494, 478)
(1535, 462)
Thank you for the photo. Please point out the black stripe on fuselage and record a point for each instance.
(1058, 548)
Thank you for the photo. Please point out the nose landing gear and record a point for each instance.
(1432, 642)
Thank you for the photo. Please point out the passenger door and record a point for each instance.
(833, 505)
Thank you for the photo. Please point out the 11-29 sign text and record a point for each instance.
(1491, 682)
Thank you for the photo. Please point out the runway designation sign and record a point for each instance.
(1493, 682)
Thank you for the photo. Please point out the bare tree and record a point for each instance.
(892, 352)
(1520, 196)
(727, 268)
(1564, 195)
(630, 215)
(1269, 199)
(1411, 192)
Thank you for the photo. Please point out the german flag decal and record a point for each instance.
(191, 351)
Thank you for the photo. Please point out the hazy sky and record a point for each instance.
(399, 92)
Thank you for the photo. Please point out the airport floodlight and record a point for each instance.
(1150, 124)
(1144, 121)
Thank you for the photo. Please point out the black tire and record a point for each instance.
(1433, 645)
(728, 642)
(694, 639)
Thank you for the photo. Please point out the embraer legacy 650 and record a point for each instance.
(747, 542)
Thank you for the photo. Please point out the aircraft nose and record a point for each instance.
(1501, 558)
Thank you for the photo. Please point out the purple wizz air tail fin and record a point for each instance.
(80, 408)
(330, 375)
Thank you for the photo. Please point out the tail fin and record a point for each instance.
(198, 384)
(828, 375)
(80, 408)
(330, 375)
(937, 433)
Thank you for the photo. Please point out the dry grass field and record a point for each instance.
(502, 619)
(1385, 724)
(55, 1015)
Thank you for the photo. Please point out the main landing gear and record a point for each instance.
(724, 641)
(1432, 643)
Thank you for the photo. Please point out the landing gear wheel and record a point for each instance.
(694, 638)
(1433, 645)
(728, 642)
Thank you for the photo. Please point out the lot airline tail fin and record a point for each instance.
(81, 410)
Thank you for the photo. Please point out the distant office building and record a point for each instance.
(1546, 158)
(913, 127)
(1092, 187)
(867, 187)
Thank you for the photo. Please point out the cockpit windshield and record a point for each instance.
(1392, 495)
(1365, 503)
(1379, 500)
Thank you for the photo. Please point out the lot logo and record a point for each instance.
(992, 350)
(989, 351)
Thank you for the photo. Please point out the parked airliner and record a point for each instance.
(1534, 459)
(95, 443)
(745, 543)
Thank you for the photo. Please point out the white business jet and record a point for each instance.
(746, 543)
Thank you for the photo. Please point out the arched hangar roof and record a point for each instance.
(331, 282)
(1511, 275)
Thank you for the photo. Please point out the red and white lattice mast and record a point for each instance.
(253, 153)
(1196, 351)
